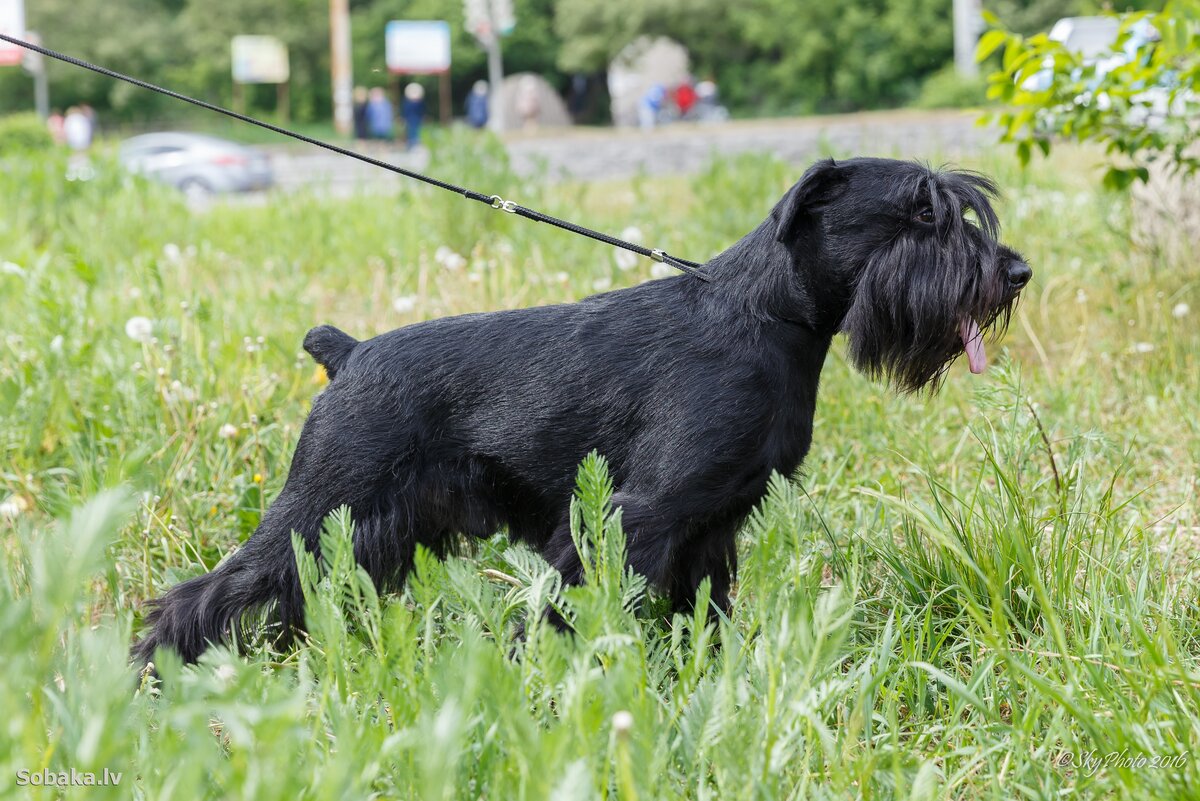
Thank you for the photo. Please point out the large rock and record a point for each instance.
(642, 64)
(531, 102)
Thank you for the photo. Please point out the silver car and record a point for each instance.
(196, 164)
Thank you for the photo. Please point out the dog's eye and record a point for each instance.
(925, 216)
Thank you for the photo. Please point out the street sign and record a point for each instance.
(417, 48)
(485, 16)
(259, 59)
(12, 23)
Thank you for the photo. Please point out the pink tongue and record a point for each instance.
(973, 343)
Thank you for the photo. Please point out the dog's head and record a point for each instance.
(911, 255)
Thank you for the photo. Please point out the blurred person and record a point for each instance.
(378, 114)
(708, 102)
(577, 97)
(413, 111)
(77, 130)
(54, 124)
(650, 106)
(529, 105)
(360, 113)
(477, 105)
(685, 99)
(90, 114)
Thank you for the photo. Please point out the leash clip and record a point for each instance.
(507, 205)
(658, 256)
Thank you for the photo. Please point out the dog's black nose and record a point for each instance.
(1019, 273)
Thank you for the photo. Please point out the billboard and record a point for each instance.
(12, 23)
(418, 48)
(259, 59)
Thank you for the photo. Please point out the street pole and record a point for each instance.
(967, 19)
(495, 73)
(35, 65)
(340, 67)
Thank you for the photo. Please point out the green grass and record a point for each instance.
(960, 591)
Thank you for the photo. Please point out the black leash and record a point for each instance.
(495, 201)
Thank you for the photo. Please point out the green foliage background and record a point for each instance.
(769, 56)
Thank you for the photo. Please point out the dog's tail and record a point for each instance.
(330, 347)
(208, 609)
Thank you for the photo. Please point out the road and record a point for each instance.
(592, 153)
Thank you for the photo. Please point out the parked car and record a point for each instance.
(196, 164)
(1094, 40)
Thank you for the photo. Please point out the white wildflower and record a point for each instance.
(171, 252)
(56, 345)
(226, 673)
(626, 260)
(227, 431)
(449, 259)
(1180, 311)
(139, 329)
(562, 277)
(602, 284)
(632, 234)
(405, 303)
(11, 268)
(1143, 347)
(13, 507)
(622, 722)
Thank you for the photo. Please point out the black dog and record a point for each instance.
(695, 392)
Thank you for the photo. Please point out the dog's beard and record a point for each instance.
(920, 304)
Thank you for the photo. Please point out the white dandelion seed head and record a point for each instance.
(1143, 347)
(56, 345)
(172, 252)
(139, 329)
(632, 234)
(625, 260)
(1180, 311)
(227, 431)
(622, 722)
(449, 259)
(405, 303)
(561, 277)
(602, 284)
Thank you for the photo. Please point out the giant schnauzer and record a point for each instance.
(694, 391)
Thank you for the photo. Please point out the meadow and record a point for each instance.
(986, 593)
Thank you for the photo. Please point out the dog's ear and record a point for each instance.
(810, 190)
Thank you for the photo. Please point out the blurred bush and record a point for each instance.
(946, 88)
(20, 133)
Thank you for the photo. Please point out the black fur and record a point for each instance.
(695, 392)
